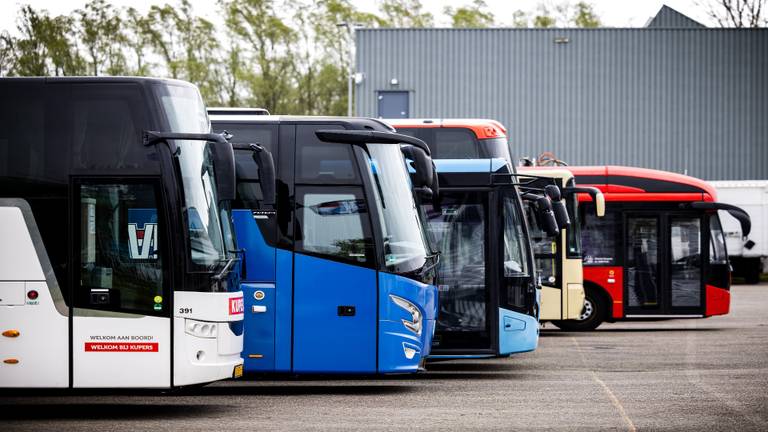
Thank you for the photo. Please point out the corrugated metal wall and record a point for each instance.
(683, 100)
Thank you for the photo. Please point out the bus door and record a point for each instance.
(461, 230)
(518, 297)
(663, 264)
(335, 288)
(121, 326)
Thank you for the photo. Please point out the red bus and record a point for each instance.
(659, 251)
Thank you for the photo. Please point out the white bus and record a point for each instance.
(117, 262)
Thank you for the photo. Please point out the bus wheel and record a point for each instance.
(593, 314)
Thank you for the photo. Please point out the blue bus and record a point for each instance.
(489, 295)
(338, 271)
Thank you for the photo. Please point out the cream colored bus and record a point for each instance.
(558, 258)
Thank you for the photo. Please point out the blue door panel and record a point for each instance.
(324, 341)
(259, 340)
(518, 332)
(259, 256)
(283, 310)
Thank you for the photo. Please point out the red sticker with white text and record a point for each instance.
(121, 347)
(236, 306)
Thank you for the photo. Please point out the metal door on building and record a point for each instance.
(393, 104)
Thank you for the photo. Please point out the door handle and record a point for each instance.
(345, 311)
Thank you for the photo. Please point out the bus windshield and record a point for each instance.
(573, 233)
(405, 242)
(515, 244)
(210, 235)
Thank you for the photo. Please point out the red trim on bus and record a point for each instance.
(602, 277)
(651, 174)
(482, 128)
(654, 197)
(718, 301)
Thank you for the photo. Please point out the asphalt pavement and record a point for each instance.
(705, 374)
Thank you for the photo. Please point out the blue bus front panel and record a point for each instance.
(259, 340)
(518, 332)
(334, 317)
(400, 348)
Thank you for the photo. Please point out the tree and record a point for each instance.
(543, 18)
(474, 16)
(44, 46)
(585, 16)
(519, 19)
(323, 80)
(269, 44)
(137, 40)
(406, 13)
(738, 13)
(101, 32)
(7, 54)
(187, 44)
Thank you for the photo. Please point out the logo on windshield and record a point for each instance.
(142, 234)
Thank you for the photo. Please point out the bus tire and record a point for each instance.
(594, 313)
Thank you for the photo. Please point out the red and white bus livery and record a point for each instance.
(658, 253)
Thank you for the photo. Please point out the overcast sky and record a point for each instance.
(614, 13)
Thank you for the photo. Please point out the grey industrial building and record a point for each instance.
(673, 95)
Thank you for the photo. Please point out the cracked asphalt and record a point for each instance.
(702, 375)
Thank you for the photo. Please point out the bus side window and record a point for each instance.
(319, 162)
(334, 222)
(119, 249)
(455, 143)
(600, 237)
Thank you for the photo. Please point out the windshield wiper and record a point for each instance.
(436, 257)
(226, 269)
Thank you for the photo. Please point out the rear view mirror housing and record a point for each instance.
(596, 195)
(422, 164)
(224, 161)
(737, 212)
(266, 163)
(545, 217)
(558, 206)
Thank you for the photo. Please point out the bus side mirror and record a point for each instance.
(558, 206)
(224, 161)
(596, 195)
(599, 199)
(422, 164)
(737, 212)
(266, 164)
(546, 216)
(435, 189)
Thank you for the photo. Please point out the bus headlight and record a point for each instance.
(414, 324)
(200, 329)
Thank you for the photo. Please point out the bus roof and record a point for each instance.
(624, 182)
(96, 79)
(353, 122)
(482, 128)
(240, 111)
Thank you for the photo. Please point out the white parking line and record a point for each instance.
(614, 400)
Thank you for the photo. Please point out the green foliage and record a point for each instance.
(289, 56)
(585, 16)
(472, 16)
(406, 13)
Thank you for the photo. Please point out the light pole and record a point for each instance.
(351, 27)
